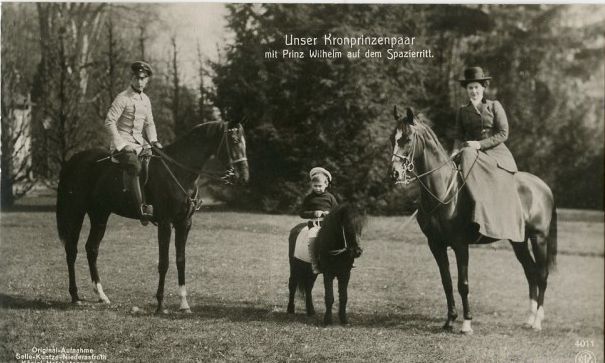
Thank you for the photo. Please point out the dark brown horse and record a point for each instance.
(445, 216)
(90, 183)
(338, 244)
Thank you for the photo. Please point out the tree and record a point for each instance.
(19, 50)
(69, 33)
(337, 112)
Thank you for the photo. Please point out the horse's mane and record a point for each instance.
(423, 129)
(198, 132)
(347, 216)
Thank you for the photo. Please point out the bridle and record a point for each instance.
(346, 247)
(407, 161)
(200, 172)
(226, 177)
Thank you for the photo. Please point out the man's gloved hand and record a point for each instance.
(128, 148)
(474, 144)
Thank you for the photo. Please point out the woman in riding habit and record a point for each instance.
(487, 164)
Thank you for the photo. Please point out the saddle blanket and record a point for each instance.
(301, 248)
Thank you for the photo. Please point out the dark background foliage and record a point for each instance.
(547, 63)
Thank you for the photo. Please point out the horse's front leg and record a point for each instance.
(181, 232)
(439, 250)
(462, 263)
(329, 296)
(164, 233)
(343, 284)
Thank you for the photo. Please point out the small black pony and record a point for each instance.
(91, 184)
(338, 244)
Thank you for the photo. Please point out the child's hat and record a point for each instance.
(318, 170)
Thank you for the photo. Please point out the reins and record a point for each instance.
(341, 250)
(408, 166)
(224, 177)
(194, 201)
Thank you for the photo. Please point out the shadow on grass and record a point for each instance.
(21, 302)
(244, 312)
(19, 208)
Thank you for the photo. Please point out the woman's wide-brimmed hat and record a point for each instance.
(474, 74)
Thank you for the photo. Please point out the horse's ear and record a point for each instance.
(410, 116)
(396, 113)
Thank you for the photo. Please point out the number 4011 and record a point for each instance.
(584, 343)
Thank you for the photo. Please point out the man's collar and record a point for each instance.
(135, 90)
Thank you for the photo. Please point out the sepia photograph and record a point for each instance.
(302, 182)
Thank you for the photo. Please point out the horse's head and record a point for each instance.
(234, 152)
(405, 147)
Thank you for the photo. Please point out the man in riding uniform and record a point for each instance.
(127, 119)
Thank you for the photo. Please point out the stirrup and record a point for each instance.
(146, 210)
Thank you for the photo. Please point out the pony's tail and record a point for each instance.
(551, 246)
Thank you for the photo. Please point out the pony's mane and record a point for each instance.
(346, 216)
(423, 130)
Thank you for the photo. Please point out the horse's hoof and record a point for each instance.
(447, 327)
(185, 311)
(161, 311)
(105, 301)
(327, 320)
(290, 309)
(536, 328)
(526, 326)
(310, 312)
(76, 302)
(466, 332)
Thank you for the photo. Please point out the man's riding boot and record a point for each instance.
(313, 256)
(145, 210)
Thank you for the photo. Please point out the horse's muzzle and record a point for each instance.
(357, 251)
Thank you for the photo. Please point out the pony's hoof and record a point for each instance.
(466, 332)
(160, 311)
(77, 302)
(447, 326)
(311, 312)
(536, 328)
(290, 309)
(327, 320)
(104, 301)
(184, 311)
(526, 326)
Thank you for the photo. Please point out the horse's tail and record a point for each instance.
(62, 209)
(551, 246)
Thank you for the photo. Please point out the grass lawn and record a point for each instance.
(237, 273)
